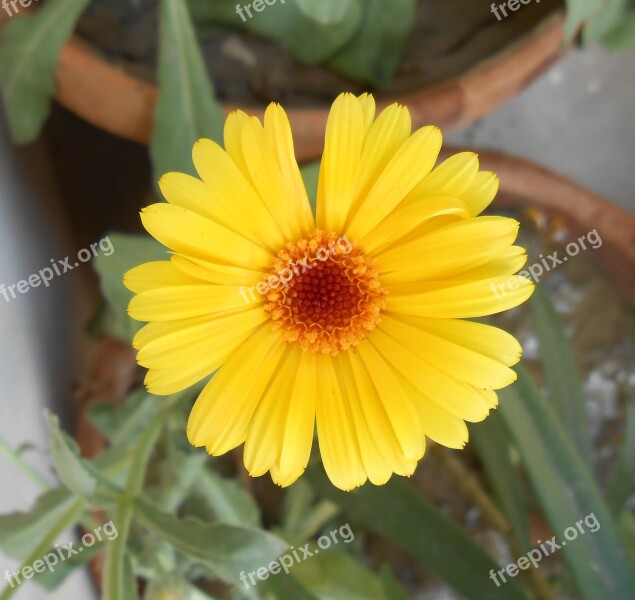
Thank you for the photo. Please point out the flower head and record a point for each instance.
(353, 320)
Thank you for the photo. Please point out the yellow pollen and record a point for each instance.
(329, 297)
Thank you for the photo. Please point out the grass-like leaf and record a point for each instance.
(398, 513)
(567, 492)
(29, 48)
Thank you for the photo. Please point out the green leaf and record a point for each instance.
(20, 531)
(491, 439)
(604, 20)
(325, 12)
(130, 251)
(621, 486)
(186, 108)
(29, 49)
(310, 31)
(229, 502)
(398, 513)
(287, 587)
(45, 541)
(392, 587)
(561, 375)
(70, 468)
(118, 579)
(374, 52)
(234, 549)
(621, 37)
(51, 580)
(333, 575)
(579, 11)
(310, 174)
(567, 493)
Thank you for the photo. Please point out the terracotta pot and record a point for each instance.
(118, 102)
(114, 369)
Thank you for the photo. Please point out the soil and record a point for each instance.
(449, 38)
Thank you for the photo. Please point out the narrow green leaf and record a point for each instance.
(622, 36)
(374, 52)
(334, 575)
(20, 531)
(186, 108)
(491, 440)
(51, 580)
(392, 587)
(234, 549)
(118, 580)
(621, 486)
(29, 48)
(15, 456)
(398, 513)
(287, 587)
(561, 375)
(325, 12)
(228, 500)
(66, 520)
(70, 468)
(578, 11)
(310, 174)
(567, 493)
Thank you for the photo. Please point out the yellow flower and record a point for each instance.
(353, 320)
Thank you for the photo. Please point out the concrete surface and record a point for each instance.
(578, 119)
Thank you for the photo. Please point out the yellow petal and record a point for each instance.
(209, 339)
(375, 415)
(336, 430)
(398, 406)
(478, 337)
(376, 466)
(265, 431)
(453, 359)
(188, 233)
(340, 165)
(405, 219)
(448, 251)
(367, 102)
(215, 272)
(439, 425)
(433, 385)
(278, 132)
(231, 189)
(180, 302)
(451, 178)
(233, 138)
(149, 276)
(460, 300)
(413, 161)
(386, 135)
(299, 422)
(222, 413)
(479, 195)
(264, 175)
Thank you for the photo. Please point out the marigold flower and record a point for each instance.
(354, 320)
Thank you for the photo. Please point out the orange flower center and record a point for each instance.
(328, 297)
